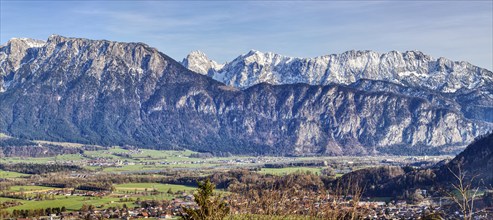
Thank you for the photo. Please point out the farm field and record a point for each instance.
(24, 160)
(153, 186)
(144, 191)
(30, 189)
(289, 170)
(71, 203)
(9, 174)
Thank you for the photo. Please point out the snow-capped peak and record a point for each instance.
(198, 61)
(410, 68)
(28, 42)
(14, 52)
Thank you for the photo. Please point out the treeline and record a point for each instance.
(13, 142)
(389, 181)
(104, 181)
(96, 186)
(15, 147)
(30, 213)
(27, 196)
(296, 164)
(418, 150)
(30, 168)
(8, 204)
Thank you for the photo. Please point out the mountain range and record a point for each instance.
(412, 73)
(356, 103)
(411, 68)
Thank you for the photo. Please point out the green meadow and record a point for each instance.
(152, 186)
(8, 174)
(289, 170)
(28, 189)
(145, 191)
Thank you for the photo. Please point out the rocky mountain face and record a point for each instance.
(13, 56)
(475, 104)
(105, 92)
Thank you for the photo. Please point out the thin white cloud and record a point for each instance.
(457, 30)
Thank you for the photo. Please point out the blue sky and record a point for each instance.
(458, 30)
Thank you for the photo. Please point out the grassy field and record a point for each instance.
(105, 154)
(158, 167)
(150, 186)
(8, 174)
(74, 203)
(168, 155)
(143, 155)
(68, 157)
(29, 189)
(288, 170)
(26, 160)
(65, 144)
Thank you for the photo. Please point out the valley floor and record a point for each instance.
(138, 183)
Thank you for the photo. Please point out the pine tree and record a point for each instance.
(84, 208)
(211, 207)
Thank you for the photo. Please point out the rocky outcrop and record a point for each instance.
(14, 55)
(198, 62)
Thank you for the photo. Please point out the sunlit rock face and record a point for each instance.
(109, 93)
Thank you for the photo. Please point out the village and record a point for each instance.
(170, 209)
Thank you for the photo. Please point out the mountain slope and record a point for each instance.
(475, 161)
(105, 92)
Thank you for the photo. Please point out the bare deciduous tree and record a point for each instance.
(466, 193)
